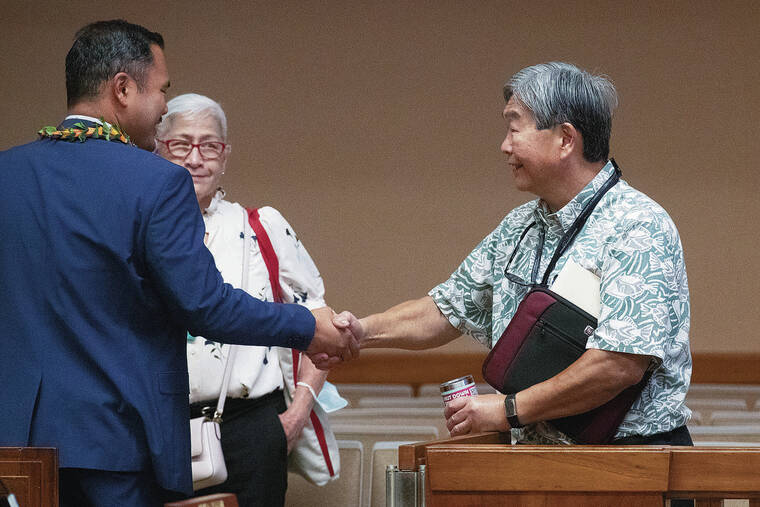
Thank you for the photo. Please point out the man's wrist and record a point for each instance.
(510, 407)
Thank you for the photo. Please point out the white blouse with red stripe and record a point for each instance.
(256, 371)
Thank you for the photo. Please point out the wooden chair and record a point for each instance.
(369, 434)
(217, 500)
(31, 474)
(748, 392)
(383, 454)
(345, 491)
(728, 433)
(392, 402)
(734, 417)
(352, 392)
(405, 416)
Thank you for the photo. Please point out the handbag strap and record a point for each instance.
(273, 268)
(580, 221)
(233, 348)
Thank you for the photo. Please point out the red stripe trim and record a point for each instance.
(273, 267)
(296, 361)
(322, 441)
(267, 252)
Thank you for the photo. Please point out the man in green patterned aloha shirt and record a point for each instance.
(558, 121)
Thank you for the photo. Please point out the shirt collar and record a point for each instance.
(70, 119)
(212, 208)
(560, 221)
(83, 117)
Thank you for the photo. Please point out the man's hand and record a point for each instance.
(475, 414)
(347, 320)
(330, 345)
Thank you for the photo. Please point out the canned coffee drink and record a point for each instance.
(462, 386)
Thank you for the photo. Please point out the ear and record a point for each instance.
(225, 155)
(122, 87)
(571, 141)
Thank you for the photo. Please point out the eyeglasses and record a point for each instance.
(209, 150)
(536, 260)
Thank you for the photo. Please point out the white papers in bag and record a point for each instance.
(579, 286)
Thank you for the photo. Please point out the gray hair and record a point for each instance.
(196, 106)
(558, 92)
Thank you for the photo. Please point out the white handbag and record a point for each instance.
(208, 464)
(209, 468)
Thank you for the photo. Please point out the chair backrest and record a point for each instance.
(352, 392)
(383, 454)
(217, 500)
(370, 434)
(749, 393)
(386, 402)
(708, 405)
(727, 443)
(733, 417)
(733, 433)
(345, 491)
(393, 416)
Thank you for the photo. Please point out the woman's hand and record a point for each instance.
(295, 417)
(475, 414)
(293, 420)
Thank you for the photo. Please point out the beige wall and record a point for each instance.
(375, 126)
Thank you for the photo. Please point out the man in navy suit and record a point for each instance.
(102, 272)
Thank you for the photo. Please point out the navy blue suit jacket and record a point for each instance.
(102, 271)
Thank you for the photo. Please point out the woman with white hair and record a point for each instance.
(258, 431)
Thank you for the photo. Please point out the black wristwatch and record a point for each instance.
(511, 407)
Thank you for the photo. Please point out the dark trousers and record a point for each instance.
(79, 487)
(255, 450)
(678, 436)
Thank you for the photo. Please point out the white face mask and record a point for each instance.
(329, 399)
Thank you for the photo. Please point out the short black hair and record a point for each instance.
(103, 49)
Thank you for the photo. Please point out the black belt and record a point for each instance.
(233, 406)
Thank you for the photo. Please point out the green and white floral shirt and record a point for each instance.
(632, 244)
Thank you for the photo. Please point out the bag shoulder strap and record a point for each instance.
(233, 348)
(580, 221)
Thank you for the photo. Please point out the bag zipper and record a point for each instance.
(562, 335)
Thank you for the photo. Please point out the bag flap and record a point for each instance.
(503, 353)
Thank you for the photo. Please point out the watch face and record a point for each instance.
(509, 403)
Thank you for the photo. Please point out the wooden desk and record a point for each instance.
(31, 474)
(463, 473)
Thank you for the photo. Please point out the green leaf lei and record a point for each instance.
(80, 132)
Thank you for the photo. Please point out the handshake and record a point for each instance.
(337, 338)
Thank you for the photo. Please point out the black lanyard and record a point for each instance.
(565, 241)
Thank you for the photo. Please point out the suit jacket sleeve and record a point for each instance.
(187, 280)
